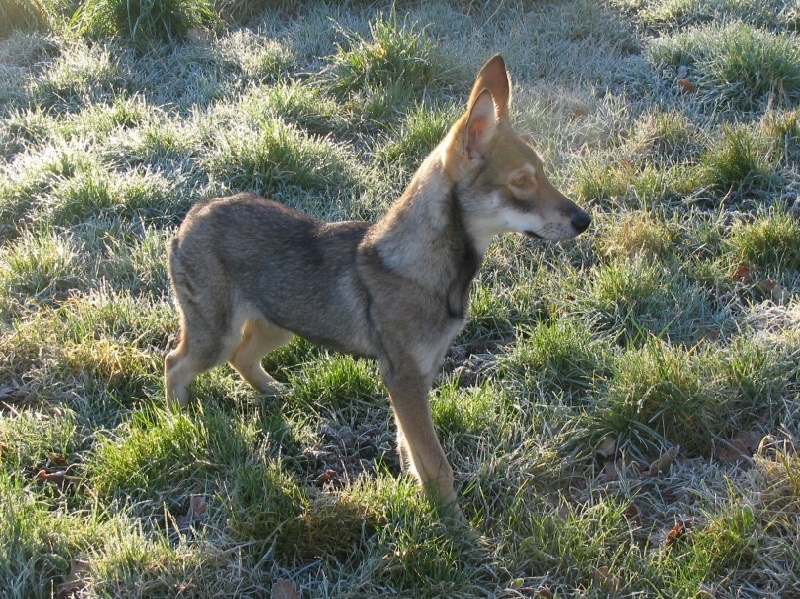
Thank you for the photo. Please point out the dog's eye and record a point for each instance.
(520, 180)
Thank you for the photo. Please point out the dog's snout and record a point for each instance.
(581, 220)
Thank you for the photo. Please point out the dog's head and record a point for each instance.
(499, 177)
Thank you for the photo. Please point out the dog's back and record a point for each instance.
(259, 257)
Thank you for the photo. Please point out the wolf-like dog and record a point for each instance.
(248, 273)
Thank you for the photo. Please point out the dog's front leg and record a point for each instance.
(420, 451)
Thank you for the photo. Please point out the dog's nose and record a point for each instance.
(581, 221)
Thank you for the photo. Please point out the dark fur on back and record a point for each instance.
(255, 231)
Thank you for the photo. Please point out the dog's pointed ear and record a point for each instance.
(480, 126)
(494, 78)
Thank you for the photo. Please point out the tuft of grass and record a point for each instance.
(783, 129)
(661, 395)
(624, 184)
(305, 106)
(149, 457)
(560, 358)
(22, 15)
(34, 439)
(666, 137)
(81, 77)
(737, 65)
(387, 71)
(741, 161)
(771, 243)
(335, 382)
(545, 535)
(266, 504)
(639, 233)
(465, 412)
(145, 23)
(656, 399)
(93, 193)
(679, 14)
(421, 130)
(253, 58)
(37, 540)
(277, 158)
(41, 266)
(631, 299)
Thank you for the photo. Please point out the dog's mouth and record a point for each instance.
(532, 235)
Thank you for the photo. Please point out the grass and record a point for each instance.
(672, 322)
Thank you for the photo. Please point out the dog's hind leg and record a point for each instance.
(259, 337)
(200, 348)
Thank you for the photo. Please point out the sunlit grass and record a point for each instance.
(671, 322)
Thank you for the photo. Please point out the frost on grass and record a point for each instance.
(582, 366)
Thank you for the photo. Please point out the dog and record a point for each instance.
(248, 273)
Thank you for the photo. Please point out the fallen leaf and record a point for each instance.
(73, 582)
(608, 447)
(705, 592)
(744, 274)
(777, 292)
(605, 581)
(59, 477)
(196, 34)
(197, 512)
(664, 461)
(326, 477)
(686, 86)
(678, 532)
(631, 513)
(794, 211)
(545, 592)
(285, 589)
(610, 472)
(733, 452)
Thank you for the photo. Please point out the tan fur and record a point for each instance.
(248, 273)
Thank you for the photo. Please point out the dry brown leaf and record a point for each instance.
(686, 86)
(734, 452)
(610, 472)
(608, 447)
(744, 274)
(57, 459)
(197, 512)
(776, 291)
(678, 532)
(664, 461)
(632, 514)
(59, 477)
(196, 34)
(284, 589)
(545, 592)
(326, 477)
(73, 582)
(603, 580)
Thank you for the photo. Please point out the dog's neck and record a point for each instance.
(423, 236)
